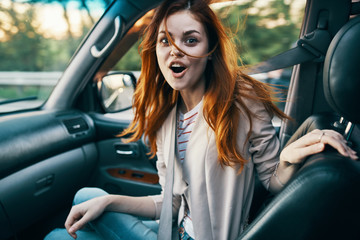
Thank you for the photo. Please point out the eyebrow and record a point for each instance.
(190, 32)
(185, 33)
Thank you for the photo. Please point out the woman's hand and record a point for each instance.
(88, 211)
(295, 153)
(83, 213)
(314, 142)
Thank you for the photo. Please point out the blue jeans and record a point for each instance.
(110, 225)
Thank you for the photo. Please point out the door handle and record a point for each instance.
(127, 149)
(98, 53)
(120, 152)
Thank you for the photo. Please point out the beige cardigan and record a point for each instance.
(219, 199)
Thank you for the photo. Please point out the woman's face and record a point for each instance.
(182, 72)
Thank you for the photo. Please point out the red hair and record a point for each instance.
(226, 86)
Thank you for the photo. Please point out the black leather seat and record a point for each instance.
(323, 199)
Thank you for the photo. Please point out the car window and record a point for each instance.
(261, 29)
(37, 41)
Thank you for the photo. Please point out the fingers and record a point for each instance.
(78, 225)
(83, 213)
(337, 141)
(295, 153)
(71, 220)
(314, 137)
(330, 137)
(76, 220)
(304, 152)
(314, 142)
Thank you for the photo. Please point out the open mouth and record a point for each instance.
(177, 68)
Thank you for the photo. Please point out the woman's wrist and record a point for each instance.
(285, 171)
(275, 174)
(109, 202)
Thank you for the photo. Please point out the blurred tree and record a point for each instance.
(261, 29)
(131, 60)
(23, 44)
(23, 47)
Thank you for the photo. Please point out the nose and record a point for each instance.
(175, 52)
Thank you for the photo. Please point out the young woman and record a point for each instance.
(210, 126)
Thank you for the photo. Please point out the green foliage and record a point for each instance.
(261, 31)
(24, 48)
(14, 92)
(24, 44)
(131, 60)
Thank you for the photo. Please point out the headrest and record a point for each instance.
(342, 71)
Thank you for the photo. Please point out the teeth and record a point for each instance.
(177, 68)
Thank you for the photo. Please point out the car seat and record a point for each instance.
(322, 201)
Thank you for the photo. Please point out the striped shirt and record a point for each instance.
(186, 124)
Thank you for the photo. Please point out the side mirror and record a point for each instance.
(116, 91)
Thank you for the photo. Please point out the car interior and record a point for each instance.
(325, 189)
(71, 141)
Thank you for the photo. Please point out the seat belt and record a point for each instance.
(311, 47)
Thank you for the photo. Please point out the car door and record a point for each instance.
(123, 167)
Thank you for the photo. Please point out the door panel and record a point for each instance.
(123, 168)
(46, 156)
